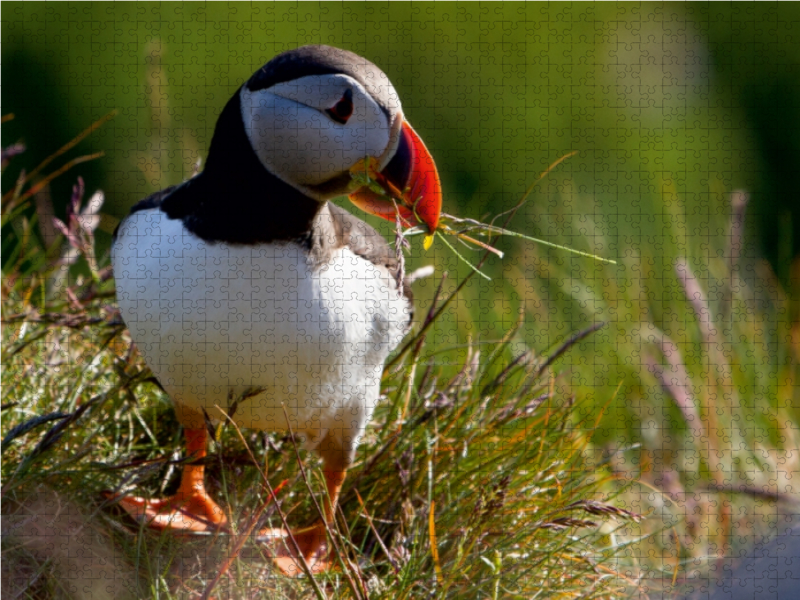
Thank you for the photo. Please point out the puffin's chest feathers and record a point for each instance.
(306, 327)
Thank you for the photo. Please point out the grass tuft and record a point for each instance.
(472, 482)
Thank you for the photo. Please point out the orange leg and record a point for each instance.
(312, 542)
(191, 508)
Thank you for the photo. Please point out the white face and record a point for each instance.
(310, 130)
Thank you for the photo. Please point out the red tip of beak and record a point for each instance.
(412, 180)
(424, 188)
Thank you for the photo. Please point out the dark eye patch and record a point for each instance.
(343, 109)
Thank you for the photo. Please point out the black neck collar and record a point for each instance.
(235, 199)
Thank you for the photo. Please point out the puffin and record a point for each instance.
(252, 297)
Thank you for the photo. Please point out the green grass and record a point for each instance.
(490, 450)
(489, 470)
(476, 477)
(694, 377)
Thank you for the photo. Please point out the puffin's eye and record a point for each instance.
(342, 110)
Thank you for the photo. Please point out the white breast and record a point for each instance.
(214, 321)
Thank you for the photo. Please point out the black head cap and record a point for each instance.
(326, 60)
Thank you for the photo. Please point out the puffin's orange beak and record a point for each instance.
(411, 180)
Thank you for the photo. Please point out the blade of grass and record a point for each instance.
(464, 260)
(303, 562)
(57, 173)
(237, 548)
(434, 547)
(71, 144)
(399, 356)
(331, 534)
(368, 517)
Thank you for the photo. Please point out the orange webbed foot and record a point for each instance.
(191, 509)
(195, 512)
(311, 543)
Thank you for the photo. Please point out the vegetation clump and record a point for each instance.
(474, 475)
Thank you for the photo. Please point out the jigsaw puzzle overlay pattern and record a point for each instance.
(671, 133)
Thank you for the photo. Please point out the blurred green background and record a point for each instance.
(670, 108)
